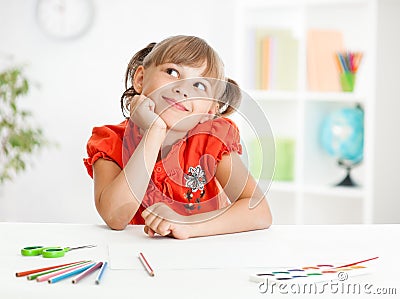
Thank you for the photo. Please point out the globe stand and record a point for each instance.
(347, 181)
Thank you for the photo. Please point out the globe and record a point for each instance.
(342, 136)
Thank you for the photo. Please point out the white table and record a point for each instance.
(284, 245)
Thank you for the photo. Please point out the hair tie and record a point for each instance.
(223, 108)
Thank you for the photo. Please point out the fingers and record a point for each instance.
(162, 228)
(135, 102)
(159, 226)
(142, 113)
(149, 231)
(155, 223)
(146, 213)
(150, 104)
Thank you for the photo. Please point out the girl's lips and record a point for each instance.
(175, 104)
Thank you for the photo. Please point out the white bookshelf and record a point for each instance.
(312, 197)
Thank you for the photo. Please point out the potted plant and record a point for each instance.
(19, 137)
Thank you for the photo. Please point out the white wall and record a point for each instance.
(81, 82)
(387, 153)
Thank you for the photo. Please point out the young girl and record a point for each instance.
(174, 165)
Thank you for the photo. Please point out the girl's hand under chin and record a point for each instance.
(143, 115)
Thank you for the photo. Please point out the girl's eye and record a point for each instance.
(173, 72)
(200, 86)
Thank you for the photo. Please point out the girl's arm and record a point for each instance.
(249, 210)
(119, 193)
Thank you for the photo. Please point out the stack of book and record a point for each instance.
(277, 54)
(322, 46)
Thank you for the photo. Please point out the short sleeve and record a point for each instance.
(227, 137)
(105, 143)
(217, 137)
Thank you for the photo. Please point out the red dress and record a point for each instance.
(185, 178)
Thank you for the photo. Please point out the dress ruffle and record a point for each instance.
(105, 142)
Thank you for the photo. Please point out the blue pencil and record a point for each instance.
(70, 273)
(343, 62)
(103, 267)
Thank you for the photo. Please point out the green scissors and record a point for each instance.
(49, 252)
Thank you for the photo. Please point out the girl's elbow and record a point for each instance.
(116, 224)
(264, 219)
(268, 222)
(114, 219)
(264, 222)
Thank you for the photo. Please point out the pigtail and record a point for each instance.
(231, 98)
(130, 91)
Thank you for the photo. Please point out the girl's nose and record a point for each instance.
(181, 91)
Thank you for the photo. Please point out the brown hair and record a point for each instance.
(231, 98)
(186, 50)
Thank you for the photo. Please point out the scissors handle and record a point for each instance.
(44, 251)
(32, 250)
(49, 252)
(53, 252)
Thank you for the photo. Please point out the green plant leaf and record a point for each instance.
(19, 140)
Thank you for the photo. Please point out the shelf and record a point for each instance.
(332, 210)
(333, 97)
(272, 95)
(275, 186)
(336, 191)
(283, 186)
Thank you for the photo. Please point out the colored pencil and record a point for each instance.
(25, 273)
(338, 63)
(87, 272)
(356, 263)
(70, 273)
(343, 63)
(50, 275)
(36, 275)
(348, 62)
(145, 264)
(100, 275)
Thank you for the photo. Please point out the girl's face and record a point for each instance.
(182, 97)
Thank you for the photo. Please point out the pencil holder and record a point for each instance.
(347, 81)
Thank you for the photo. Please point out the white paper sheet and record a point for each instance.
(180, 255)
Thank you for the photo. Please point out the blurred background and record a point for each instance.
(76, 83)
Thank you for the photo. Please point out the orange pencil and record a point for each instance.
(357, 60)
(338, 64)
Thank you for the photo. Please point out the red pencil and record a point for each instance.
(146, 264)
(352, 264)
(28, 272)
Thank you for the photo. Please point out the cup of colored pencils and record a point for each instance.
(348, 63)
